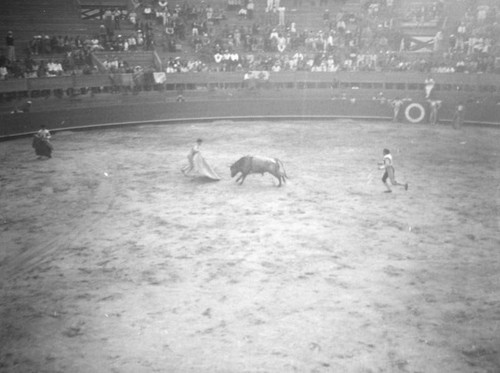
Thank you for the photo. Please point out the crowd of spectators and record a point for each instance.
(366, 41)
(474, 46)
(49, 56)
(420, 14)
(213, 39)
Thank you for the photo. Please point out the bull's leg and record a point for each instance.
(239, 178)
(277, 177)
(276, 174)
(243, 178)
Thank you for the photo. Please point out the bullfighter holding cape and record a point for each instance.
(197, 165)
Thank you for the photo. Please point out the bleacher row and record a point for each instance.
(65, 17)
(27, 18)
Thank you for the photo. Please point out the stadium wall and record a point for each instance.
(23, 124)
(291, 95)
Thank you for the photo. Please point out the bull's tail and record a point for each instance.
(281, 168)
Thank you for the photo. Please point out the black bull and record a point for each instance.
(258, 165)
(42, 147)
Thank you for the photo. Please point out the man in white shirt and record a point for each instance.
(281, 16)
(218, 57)
(274, 35)
(389, 173)
(3, 72)
(429, 86)
(194, 150)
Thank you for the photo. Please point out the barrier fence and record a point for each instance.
(354, 95)
(397, 83)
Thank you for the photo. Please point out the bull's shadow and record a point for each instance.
(201, 180)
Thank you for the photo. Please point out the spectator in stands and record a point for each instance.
(34, 45)
(270, 6)
(161, 15)
(46, 48)
(24, 108)
(162, 4)
(218, 59)
(117, 15)
(209, 12)
(341, 26)
(250, 9)
(147, 12)
(438, 39)
(281, 44)
(326, 17)
(3, 72)
(132, 17)
(243, 12)
(54, 68)
(109, 22)
(461, 36)
(11, 50)
(281, 16)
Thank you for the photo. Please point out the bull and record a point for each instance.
(258, 165)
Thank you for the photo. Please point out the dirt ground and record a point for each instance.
(112, 261)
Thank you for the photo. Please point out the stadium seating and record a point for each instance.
(137, 58)
(44, 17)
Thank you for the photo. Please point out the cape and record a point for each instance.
(202, 168)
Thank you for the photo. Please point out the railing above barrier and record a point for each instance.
(478, 84)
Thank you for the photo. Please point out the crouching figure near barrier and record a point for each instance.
(41, 143)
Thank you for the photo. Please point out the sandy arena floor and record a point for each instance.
(112, 261)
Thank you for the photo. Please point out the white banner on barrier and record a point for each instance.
(160, 78)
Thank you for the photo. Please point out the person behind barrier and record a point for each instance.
(180, 95)
(11, 50)
(389, 172)
(429, 86)
(434, 107)
(458, 117)
(24, 108)
(380, 98)
(396, 104)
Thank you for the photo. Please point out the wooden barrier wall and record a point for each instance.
(15, 125)
(362, 86)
